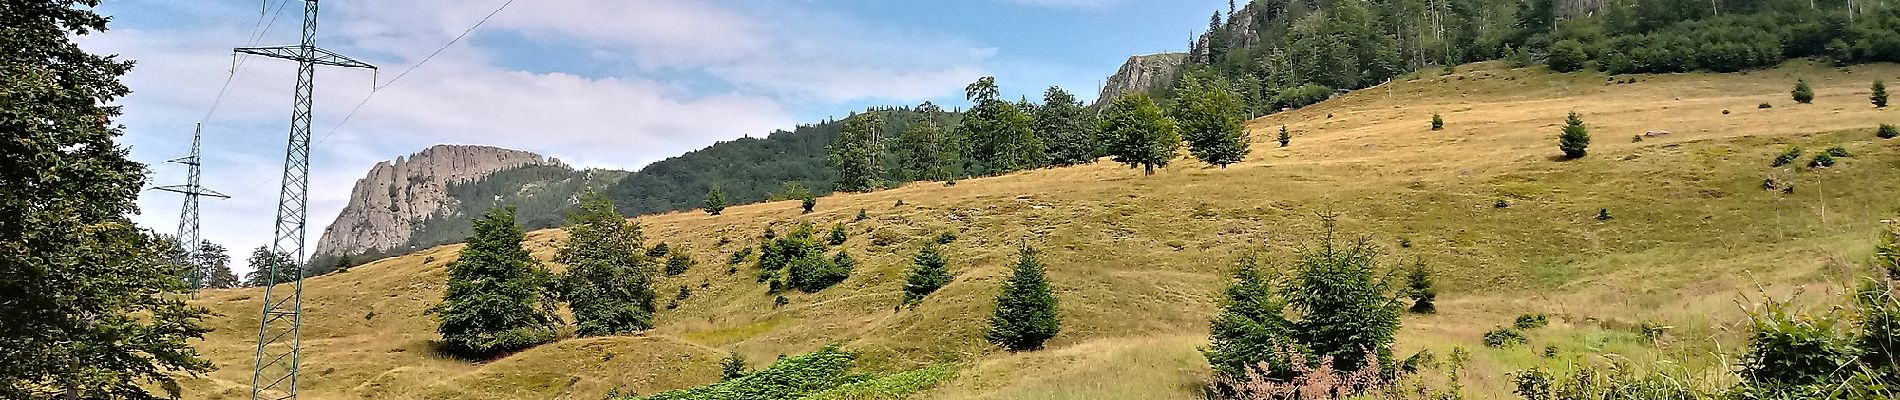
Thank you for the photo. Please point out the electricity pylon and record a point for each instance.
(279, 343)
(188, 215)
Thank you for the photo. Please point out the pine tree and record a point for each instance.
(1285, 138)
(1879, 97)
(808, 203)
(1210, 117)
(837, 236)
(1026, 311)
(1346, 311)
(609, 281)
(1251, 327)
(90, 305)
(1802, 93)
(715, 201)
(678, 263)
(733, 367)
(1575, 138)
(496, 300)
(1138, 134)
(851, 153)
(927, 274)
(1419, 287)
(262, 263)
(1438, 122)
(1067, 128)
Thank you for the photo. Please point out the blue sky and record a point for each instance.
(597, 83)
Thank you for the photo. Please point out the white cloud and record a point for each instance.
(763, 63)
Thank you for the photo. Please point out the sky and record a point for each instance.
(596, 83)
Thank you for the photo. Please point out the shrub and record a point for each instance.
(1603, 214)
(740, 255)
(1839, 151)
(1531, 321)
(1821, 160)
(780, 301)
(886, 237)
(683, 293)
(813, 272)
(1879, 98)
(1502, 337)
(732, 367)
(1802, 93)
(1887, 131)
(788, 378)
(1575, 138)
(1764, 106)
(837, 236)
(658, 250)
(1438, 123)
(1026, 314)
(946, 236)
(1566, 56)
(1419, 287)
(1785, 349)
(861, 216)
(927, 274)
(808, 203)
(678, 263)
(1788, 156)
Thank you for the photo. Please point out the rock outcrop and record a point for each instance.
(396, 196)
(1140, 74)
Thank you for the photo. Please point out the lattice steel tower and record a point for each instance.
(188, 215)
(279, 343)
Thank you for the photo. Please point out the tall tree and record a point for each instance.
(214, 266)
(1067, 128)
(497, 299)
(260, 259)
(1138, 134)
(609, 281)
(1026, 312)
(92, 308)
(851, 154)
(999, 136)
(1210, 117)
(921, 150)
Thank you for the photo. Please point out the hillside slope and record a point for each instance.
(1136, 260)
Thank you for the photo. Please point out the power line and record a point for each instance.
(374, 87)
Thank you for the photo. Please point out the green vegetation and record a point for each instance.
(1531, 321)
(1787, 156)
(1575, 139)
(1419, 287)
(715, 201)
(278, 268)
(678, 263)
(1209, 114)
(732, 367)
(497, 300)
(1821, 160)
(1886, 131)
(927, 274)
(1026, 311)
(213, 264)
(1802, 93)
(852, 154)
(1284, 138)
(837, 235)
(1438, 122)
(94, 307)
(1138, 134)
(998, 136)
(1566, 56)
(808, 203)
(608, 282)
(1067, 128)
(1879, 98)
(1502, 337)
(658, 250)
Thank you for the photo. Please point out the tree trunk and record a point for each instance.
(1148, 169)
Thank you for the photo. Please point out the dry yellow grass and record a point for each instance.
(1136, 260)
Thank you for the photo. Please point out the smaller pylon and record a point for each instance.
(188, 215)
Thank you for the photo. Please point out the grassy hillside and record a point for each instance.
(1136, 260)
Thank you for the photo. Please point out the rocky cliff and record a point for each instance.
(1140, 74)
(396, 196)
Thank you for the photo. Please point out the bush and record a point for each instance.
(786, 379)
(678, 263)
(1566, 56)
(1879, 98)
(886, 237)
(740, 255)
(1531, 321)
(1839, 151)
(1502, 337)
(1764, 106)
(1887, 131)
(808, 203)
(837, 236)
(813, 272)
(732, 367)
(1785, 349)
(1575, 139)
(658, 250)
(1419, 287)
(1821, 160)
(1802, 93)
(1788, 156)
(946, 237)
(1438, 123)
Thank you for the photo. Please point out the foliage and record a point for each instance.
(808, 203)
(269, 268)
(1501, 337)
(925, 149)
(715, 201)
(1821, 160)
(999, 136)
(1419, 287)
(1802, 93)
(1285, 138)
(1575, 138)
(1786, 349)
(813, 272)
(1438, 122)
(1345, 310)
(496, 300)
(837, 235)
(946, 237)
(791, 191)
(658, 250)
(1026, 310)
(1251, 334)
(1531, 321)
(740, 255)
(1209, 115)
(1566, 56)
(927, 274)
(1067, 128)
(608, 282)
(1301, 379)
(1887, 131)
(1138, 134)
(1838, 151)
(93, 306)
(1879, 98)
(1619, 381)
(214, 266)
(780, 251)
(732, 367)
(678, 263)
(853, 154)
(1887, 250)
(1788, 156)
(788, 378)
(890, 387)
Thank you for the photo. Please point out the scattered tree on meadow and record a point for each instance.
(927, 274)
(1438, 122)
(1138, 134)
(925, 150)
(1251, 328)
(1026, 311)
(1802, 93)
(1886, 131)
(1419, 287)
(609, 281)
(1000, 135)
(732, 367)
(92, 309)
(1879, 98)
(497, 301)
(852, 153)
(263, 262)
(837, 235)
(715, 201)
(678, 263)
(214, 266)
(1285, 137)
(1210, 115)
(808, 203)
(779, 251)
(1575, 139)
(1067, 128)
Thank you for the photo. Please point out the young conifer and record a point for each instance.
(1026, 314)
